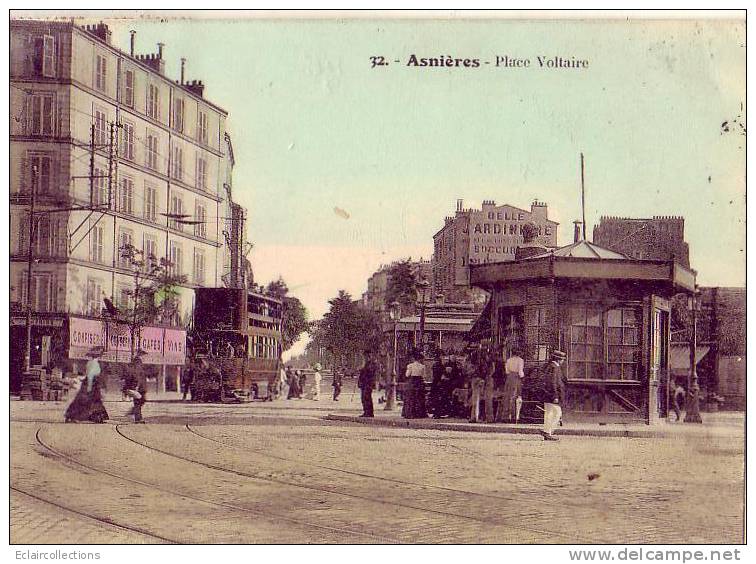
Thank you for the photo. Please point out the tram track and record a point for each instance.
(335, 491)
(355, 473)
(478, 455)
(184, 495)
(101, 521)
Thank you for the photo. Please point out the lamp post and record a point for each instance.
(692, 413)
(396, 313)
(422, 290)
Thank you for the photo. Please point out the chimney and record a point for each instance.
(101, 31)
(133, 39)
(459, 205)
(195, 87)
(160, 50)
(578, 230)
(183, 65)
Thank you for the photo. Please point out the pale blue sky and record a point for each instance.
(314, 127)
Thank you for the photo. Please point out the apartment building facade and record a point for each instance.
(478, 236)
(116, 154)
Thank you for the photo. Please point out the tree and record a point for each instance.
(401, 286)
(346, 330)
(294, 314)
(153, 296)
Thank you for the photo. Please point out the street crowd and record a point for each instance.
(483, 385)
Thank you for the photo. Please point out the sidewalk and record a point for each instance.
(728, 422)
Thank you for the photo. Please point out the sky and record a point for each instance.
(317, 132)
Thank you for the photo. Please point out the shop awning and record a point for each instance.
(482, 328)
(679, 356)
(412, 323)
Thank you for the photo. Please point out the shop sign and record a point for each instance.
(162, 346)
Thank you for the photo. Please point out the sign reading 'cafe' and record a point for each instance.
(161, 345)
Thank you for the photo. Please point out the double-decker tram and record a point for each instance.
(238, 332)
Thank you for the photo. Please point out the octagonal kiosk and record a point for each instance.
(608, 312)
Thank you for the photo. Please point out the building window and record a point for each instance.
(152, 151)
(150, 203)
(178, 114)
(153, 102)
(96, 237)
(101, 67)
(178, 163)
(101, 131)
(94, 297)
(99, 189)
(199, 266)
(127, 142)
(200, 216)
(201, 177)
(150, 252)
(41, 114)
(622, 344)
(44, 56)
(603, 344)
(123, 297)
(586, 343)
(176, 268)
(126, 202)
(202, 127)
(537, 332)
(128, 88)
(40, 172)
(125, 241)
(176, 211)
(42, 288)
(43, 240)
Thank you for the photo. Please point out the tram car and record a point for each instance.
(238, 332)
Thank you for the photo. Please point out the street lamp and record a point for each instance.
(422, 291)
(692, 413)
(396, 313)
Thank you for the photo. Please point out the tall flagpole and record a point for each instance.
(582, 186)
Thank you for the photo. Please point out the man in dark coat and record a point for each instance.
(135, 386)
(553, 394)
(336, 383)
(366, 383)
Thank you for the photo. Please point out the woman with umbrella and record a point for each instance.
(87, 405)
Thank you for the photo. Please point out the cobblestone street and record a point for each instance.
(278, 473)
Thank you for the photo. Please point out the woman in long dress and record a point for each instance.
(414, 399)
(87, 404)
(515, 370)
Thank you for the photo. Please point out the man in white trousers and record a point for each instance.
(553, 394)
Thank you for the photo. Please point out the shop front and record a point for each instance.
(164, 348)
(609, 313)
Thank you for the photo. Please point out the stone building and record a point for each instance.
(479, 236)
(117, 153)
(657, 238)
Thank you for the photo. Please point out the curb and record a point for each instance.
(488, 428)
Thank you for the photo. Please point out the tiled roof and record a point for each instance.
(582, 249)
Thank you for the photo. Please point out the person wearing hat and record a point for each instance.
(135, 385)
(87, 405)
(366, 383)
(317, 377)
(553, 394)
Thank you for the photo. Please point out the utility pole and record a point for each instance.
(112, 148)
(92, 166)
(29, 266)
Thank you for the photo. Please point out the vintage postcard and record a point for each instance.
(377, 278)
